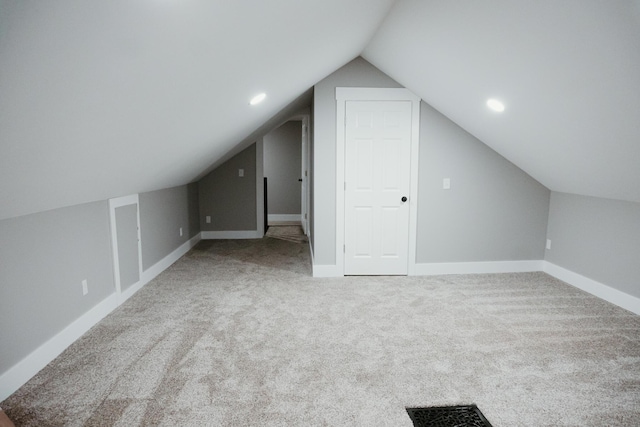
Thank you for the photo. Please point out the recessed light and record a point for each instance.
(495, 105)
(258, 99)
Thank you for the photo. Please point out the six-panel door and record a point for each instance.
(377, 177)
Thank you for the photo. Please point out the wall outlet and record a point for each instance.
(548, 243)
(180, 231)
(240, 172)
(85, 287)
(446, 183)
(207, 219)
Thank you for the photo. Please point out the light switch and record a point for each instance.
(240, 172)
(446, 183)
(208, 219)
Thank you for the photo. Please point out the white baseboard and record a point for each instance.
(326, 271)
(284, 218)
(600, 290)
(24, 370)
(431, 269)
(232, 234)
(311, 250)
(323, 270)
(166, 262)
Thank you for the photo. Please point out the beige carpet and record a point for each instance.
(290, 233)
(236, 333)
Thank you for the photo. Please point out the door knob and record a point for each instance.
(404, 198)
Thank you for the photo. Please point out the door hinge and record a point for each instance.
(305, 216)
(344, 249)
(345, 186)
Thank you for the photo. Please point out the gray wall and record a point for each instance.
(357, 73)
(45, 256)
(493, 211)
(597, 238)
(43, 259)
(162, 214)
(230, 200)
(282, 167)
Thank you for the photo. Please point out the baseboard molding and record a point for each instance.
(600, 290)
(284, 218)
(323, 270)
(326, 271)
(310, 250)
(232, 234)
(166, 262)
(431, 269)
(24, 370)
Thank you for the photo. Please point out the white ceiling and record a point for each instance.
(568, 72)
(103, 99)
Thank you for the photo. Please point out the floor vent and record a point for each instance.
(448, 416)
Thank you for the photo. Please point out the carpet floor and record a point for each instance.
(237, 333)
(291, 233)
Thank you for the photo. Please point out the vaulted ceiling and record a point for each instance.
(103, 99)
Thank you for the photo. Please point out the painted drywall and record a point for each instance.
(493, 210)
(297, 107)
(88, 85)
(597, 238)
(43, 259)
(230, 199)
(282, 168)
(162, 214)
(357, 73)
(568, 72)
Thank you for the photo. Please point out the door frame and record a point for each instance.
(304, 196)
(344, 94)
(113, 204)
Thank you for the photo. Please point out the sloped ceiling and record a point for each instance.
(100, 99)
(568, 72)
(103, 99)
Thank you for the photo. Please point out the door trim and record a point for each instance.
(344, 94)
(113, 204)
(260, 191)
(304, 196)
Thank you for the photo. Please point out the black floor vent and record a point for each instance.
(448, 416)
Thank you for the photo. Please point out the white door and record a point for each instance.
(377, 187)
(126, 246)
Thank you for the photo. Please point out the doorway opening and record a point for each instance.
(286, 174)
